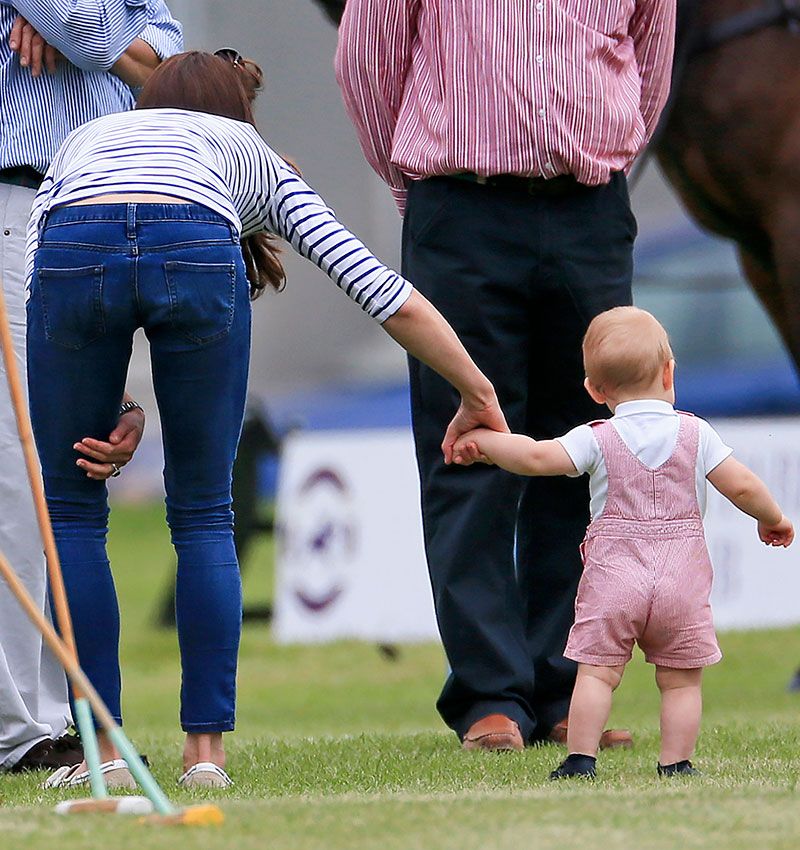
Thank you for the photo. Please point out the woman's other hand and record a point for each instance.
(108, 457)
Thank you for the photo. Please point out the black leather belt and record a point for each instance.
(562, 184)
(21, 175)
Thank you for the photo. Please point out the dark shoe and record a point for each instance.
(680, 768)
(493, 732)
(610, 739)
(69, 742)
(49, 755)
(575, 764)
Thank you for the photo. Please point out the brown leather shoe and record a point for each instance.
(610, 739)
(613, 738)
(493, 732)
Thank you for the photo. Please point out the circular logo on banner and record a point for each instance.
(320, 539)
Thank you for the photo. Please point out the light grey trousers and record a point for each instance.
(33, 692)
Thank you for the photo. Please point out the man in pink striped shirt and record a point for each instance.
(504, 129)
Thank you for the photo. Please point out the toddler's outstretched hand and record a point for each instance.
(780, 534)
(466, 450)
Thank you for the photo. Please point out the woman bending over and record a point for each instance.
(160, 219)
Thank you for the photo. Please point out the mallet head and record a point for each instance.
(111, 805)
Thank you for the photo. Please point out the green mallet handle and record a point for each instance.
(85, 722)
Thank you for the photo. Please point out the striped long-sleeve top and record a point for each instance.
(526, 87)
(38, 114)
(224, 165)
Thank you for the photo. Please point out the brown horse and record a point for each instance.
(730, 140)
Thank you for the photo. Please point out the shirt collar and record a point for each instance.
(643, 405)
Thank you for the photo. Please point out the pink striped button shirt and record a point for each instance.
(527, 87)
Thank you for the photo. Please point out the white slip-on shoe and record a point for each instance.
(115, 775)
(60, 778)
(205, 774)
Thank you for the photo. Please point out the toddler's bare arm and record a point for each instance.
(749, 493)
(513, 452)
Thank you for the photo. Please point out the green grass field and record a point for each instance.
(339, 748)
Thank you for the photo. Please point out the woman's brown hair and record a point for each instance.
(201, 82)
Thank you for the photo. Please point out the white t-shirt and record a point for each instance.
(649, 428)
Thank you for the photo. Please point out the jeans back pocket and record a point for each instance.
(72, 305)
(202, 298)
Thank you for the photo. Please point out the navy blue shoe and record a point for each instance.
(680, 768)
(575, 765)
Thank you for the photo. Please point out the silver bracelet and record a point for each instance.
(128, 406)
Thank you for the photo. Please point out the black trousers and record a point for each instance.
(519, 276)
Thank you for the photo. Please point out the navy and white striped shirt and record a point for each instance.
(38, 114)
(224, 165)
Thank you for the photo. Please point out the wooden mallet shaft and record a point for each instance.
(80, 681)
(59, 595)
(20, 405)
(59, 647)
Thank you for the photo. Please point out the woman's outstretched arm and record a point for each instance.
(422, 330)
(288, 206)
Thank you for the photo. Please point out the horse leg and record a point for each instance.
(777, 283)
(763, 281)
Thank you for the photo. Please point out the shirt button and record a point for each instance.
(548, 165)
(539, 7)
(542, 113)
(540, 58)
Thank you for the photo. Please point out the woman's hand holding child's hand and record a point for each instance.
(780, 534)
(467, 421)
(466, 451)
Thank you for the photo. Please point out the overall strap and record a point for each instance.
(625, 474)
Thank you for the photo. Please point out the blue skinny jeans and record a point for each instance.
(176, 270)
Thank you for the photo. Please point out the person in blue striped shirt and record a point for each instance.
(140, 222)
(62, 62)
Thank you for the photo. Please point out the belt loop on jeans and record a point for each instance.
(131, 221)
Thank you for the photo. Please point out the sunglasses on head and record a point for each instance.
(230, 55)
(236, 59)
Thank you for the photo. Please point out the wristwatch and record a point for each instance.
(128, 406)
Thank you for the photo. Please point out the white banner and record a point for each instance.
(755, 585)
(350, 558)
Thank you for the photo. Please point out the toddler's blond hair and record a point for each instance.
(625, 348)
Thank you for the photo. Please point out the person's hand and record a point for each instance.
(466, 450)
(780, 534)
(467, 418)
(108, 457)
(34, 52)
